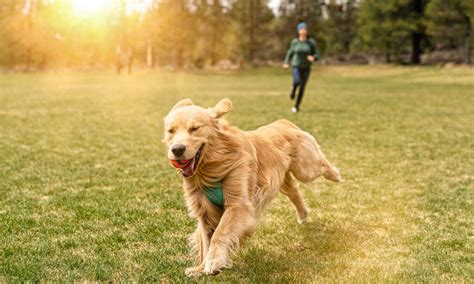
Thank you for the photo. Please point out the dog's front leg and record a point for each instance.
(236, 223)
(200, 241)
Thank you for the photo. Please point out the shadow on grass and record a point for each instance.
(312, 251)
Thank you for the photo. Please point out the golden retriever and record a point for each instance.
(251, 167)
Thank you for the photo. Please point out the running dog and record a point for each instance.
(229, 175)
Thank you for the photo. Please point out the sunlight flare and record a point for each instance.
(87, 7)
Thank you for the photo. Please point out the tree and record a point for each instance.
(389, 26)
(176, 30)
(450, 23)
(252, 19)
(10, 21)
(340, 26)
(418, 31)
(212, 24)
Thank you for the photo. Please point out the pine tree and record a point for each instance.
(176, 31)
(450, 23)
(390, 26)
(340, 26)
(252, 19)
(212, 23)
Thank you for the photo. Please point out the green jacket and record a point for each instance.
(298, 52)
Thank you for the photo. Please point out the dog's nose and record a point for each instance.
(178, 149)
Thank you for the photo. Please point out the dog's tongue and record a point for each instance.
(186, 166)
(188, 170)
(180, 163)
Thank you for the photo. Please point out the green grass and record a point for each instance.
(86, 192)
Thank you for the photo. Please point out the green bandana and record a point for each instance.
(215, 195)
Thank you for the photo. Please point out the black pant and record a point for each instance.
(300, 77)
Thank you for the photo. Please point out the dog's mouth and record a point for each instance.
(188, 167)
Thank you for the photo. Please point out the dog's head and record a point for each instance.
(188, 129)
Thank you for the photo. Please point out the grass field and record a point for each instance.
(86, 192)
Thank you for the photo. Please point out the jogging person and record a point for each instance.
(301, 54)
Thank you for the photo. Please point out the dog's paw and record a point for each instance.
(302, 220)
(215, 265)
(303, 216)
(194, 271)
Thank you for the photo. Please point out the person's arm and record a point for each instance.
(314, 49)
(289, 54)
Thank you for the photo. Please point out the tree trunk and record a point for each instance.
(347, 46)
(213, 46)
(178, 58)
(388, 58)
(416, 48)
(467, 51)
(251, 32)
(467, 41)
(28, 12)
(149, 55)
(416, 35)
(178, 51)
(213, 50)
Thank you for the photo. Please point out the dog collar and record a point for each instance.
(215, 195)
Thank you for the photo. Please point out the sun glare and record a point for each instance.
(94, 7)
(86, 7)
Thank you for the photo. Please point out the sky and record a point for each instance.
(273, 4)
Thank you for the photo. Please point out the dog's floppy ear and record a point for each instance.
(185, 102)
(222, 107)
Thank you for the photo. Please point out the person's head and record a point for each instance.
(302, 30)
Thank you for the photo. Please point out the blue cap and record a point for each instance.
(300, 26)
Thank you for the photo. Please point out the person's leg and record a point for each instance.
(293, 91)
(296, 81)
(304, 75)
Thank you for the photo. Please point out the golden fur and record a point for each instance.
(253, 167)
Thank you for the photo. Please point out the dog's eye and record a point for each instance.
(194, 128)
(171, 131)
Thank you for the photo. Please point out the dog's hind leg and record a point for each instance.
(309, 161)
(290, 189)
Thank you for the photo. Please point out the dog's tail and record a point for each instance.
(331, 172)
